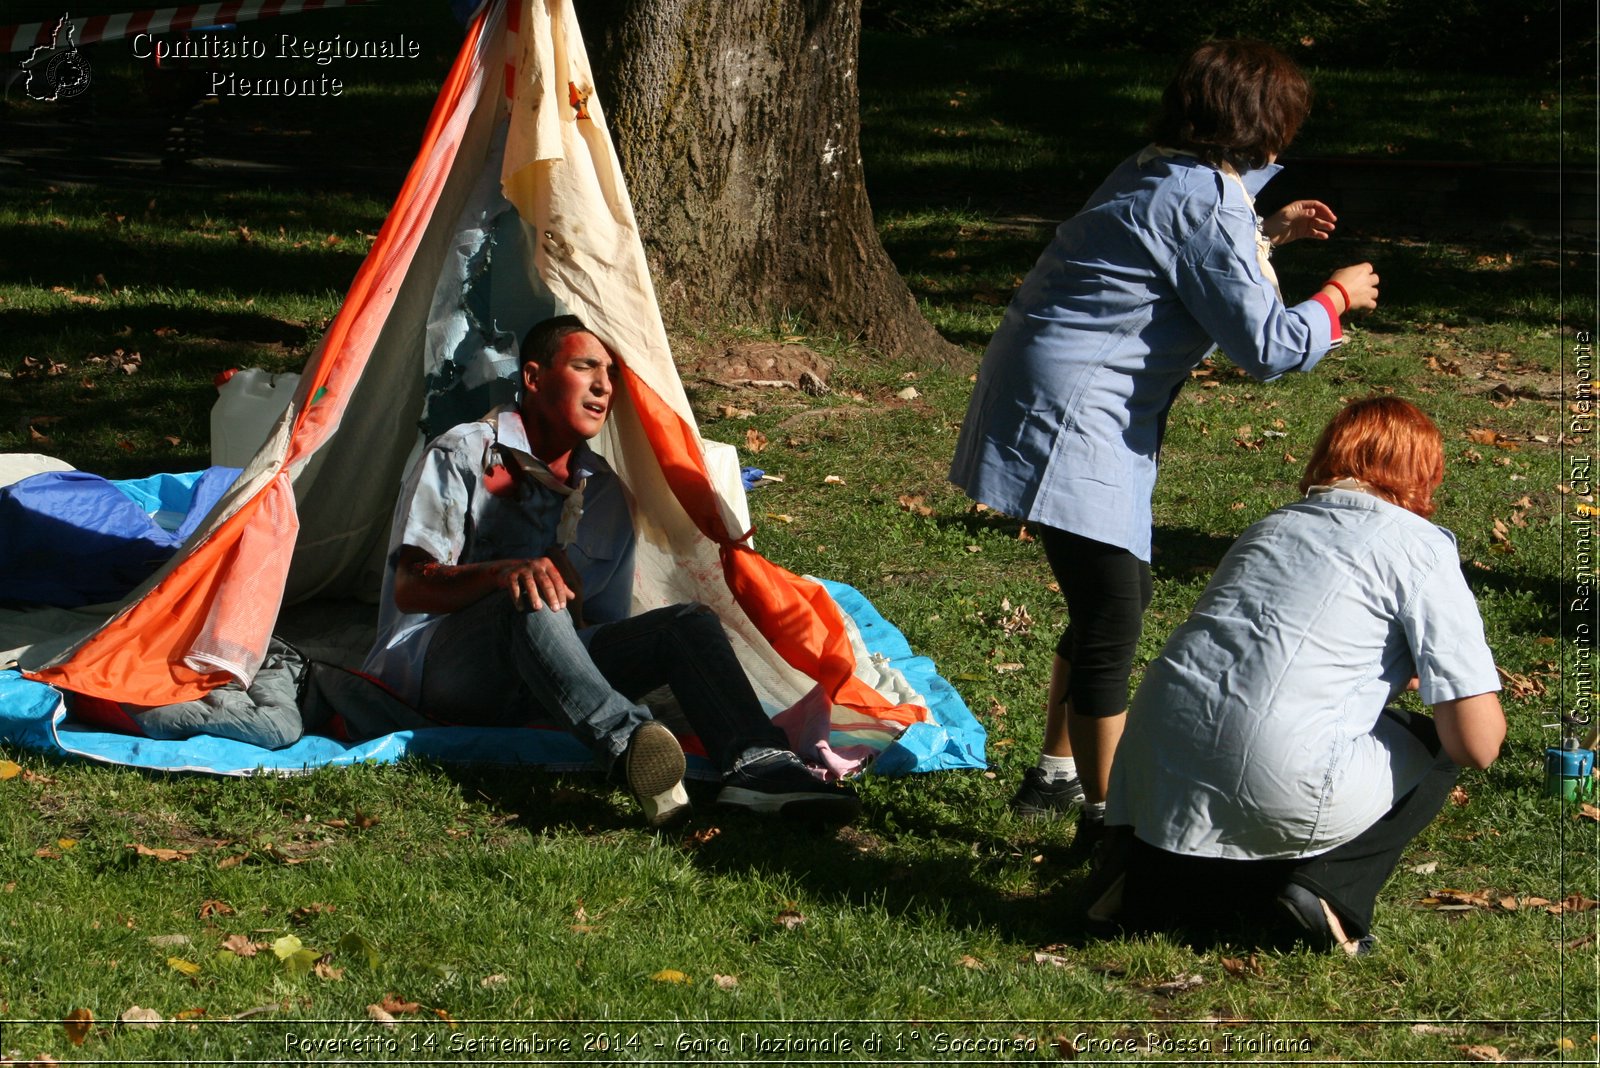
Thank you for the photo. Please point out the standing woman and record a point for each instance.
(1166, 262)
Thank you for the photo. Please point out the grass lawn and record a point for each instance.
(420, 913)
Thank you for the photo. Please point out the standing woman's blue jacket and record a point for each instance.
(1160, 267)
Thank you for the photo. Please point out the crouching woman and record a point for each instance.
(1263, 770)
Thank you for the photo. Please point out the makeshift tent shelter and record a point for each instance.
(515, 209)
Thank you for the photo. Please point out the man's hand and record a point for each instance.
(533, 584)
(1303, 218)
(422, 584)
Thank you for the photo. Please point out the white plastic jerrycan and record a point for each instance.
(249, 402)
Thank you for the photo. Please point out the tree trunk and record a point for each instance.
(738, 124)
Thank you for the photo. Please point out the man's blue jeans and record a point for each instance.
(491, 664)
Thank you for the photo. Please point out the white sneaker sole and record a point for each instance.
(801, 804)
(654, 768)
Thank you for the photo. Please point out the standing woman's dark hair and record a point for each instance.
(1235, 102)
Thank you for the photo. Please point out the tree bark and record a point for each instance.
(738, 124)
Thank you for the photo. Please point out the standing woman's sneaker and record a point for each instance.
(654, 767)
(781, 785)
(1038, 797)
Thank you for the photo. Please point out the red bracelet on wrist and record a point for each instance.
(1343, 292)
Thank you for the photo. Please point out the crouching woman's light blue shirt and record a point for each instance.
(1259, 732)
(1159, 269)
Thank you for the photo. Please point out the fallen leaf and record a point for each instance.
(1242, 968)
(725, 982)
(1055, 960)
(789, 919)
(910, 393)
(1007, 668)
(9, 770)
(1482, 1053)
(78, 1024)
(913, 503)
(696, 839)
(215, 908)
(305, 913)
(832, 480)
(754, 440)
(161, 854)
(1019, 621)
(489, 982)
(1172, 987)
(1573, 903)
(1483, 436)
(969, 961)
(381, 1015)
(1426, 869)
(730, 412)
(671, 975)
(1433, 1029)
(1447, 900)
(780, 517)
(139, 1017)
(354, 945)
(331, 240)
(1588, 812)
(161, 941)
(323, 970)
(240, 945)
(1520, 685)
(186, 967)
(1459, 797)
(393, 1004)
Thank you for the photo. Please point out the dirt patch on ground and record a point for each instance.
(762, 364)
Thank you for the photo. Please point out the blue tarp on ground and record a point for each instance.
(34, 716)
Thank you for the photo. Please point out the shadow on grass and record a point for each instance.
(80, 404)
(220, 264)
(951, 878)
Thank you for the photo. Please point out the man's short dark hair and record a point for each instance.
(1235, 102)
(544, 339)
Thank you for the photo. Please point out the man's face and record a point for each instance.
(571, 395)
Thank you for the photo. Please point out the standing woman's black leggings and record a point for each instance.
(1107, 590)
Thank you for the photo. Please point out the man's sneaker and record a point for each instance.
(783, 786)
(1038, 797)
(653, 767)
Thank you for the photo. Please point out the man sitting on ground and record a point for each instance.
(508, 589)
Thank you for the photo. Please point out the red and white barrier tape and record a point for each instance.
(94, 28)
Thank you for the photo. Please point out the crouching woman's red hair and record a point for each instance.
(1387, 443)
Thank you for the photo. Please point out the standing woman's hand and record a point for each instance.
(1303, 218)
(1354, 288)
